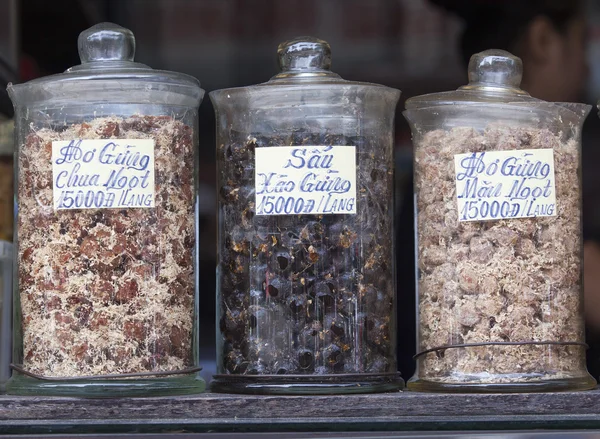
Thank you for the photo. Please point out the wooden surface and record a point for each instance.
(406, 411)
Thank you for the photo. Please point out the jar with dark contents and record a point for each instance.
(305, 287)
(105, 296)
(498, 219)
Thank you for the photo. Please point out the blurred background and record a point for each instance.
(413, 45)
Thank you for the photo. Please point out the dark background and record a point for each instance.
(407, 44)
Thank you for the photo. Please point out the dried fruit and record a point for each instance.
(295, 288)
(507, 280)
(103, 275)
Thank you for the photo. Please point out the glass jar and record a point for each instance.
(105, 295)
(498, 201)
(7, 140)
(305, 282)
(6, 289)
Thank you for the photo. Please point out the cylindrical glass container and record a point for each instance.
(6, 288)
(498, 201)
(306, 284)
(7, 141)
(105, 294)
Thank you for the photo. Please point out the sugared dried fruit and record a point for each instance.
(103, 275)
(507, 280)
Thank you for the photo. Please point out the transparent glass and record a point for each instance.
(106, 298)
(6, 255)
(6, 278)
(305, 302)
(6, 179)
(499, 300)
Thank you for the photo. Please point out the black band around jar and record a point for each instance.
(500, 343)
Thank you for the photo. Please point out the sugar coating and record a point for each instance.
(497, 281)
(107, 291)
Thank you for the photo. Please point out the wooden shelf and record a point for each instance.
(405, 411)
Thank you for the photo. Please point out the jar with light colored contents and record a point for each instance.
(498, 219)
(105, 294)
(306, 287)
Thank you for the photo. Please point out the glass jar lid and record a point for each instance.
(107, 54)
(305, 60)
(494, 77)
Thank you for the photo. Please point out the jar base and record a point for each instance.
(164, 386)
(306, 384)
(585, 382)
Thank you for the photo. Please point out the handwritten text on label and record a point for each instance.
(505, 184)
(103, 173)
(296, 180)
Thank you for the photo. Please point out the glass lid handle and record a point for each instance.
(304, 53)
(495, 69)
(106, 42)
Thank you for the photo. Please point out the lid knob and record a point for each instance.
(496, 68)
(304, 53)
(106, 42)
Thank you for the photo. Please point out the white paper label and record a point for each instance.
(103, 173)
(297, 180)
(505, 184)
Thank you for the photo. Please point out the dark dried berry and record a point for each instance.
(318, 276)
(237, 299)
(272, 290)
(284, 367)
(260, 317)
(306, 359)
(232, 324)
(334, 357)
(235, 363)
(283, 261)
(297, 304)
(369, 323)
(336, 324)
(326, 300)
